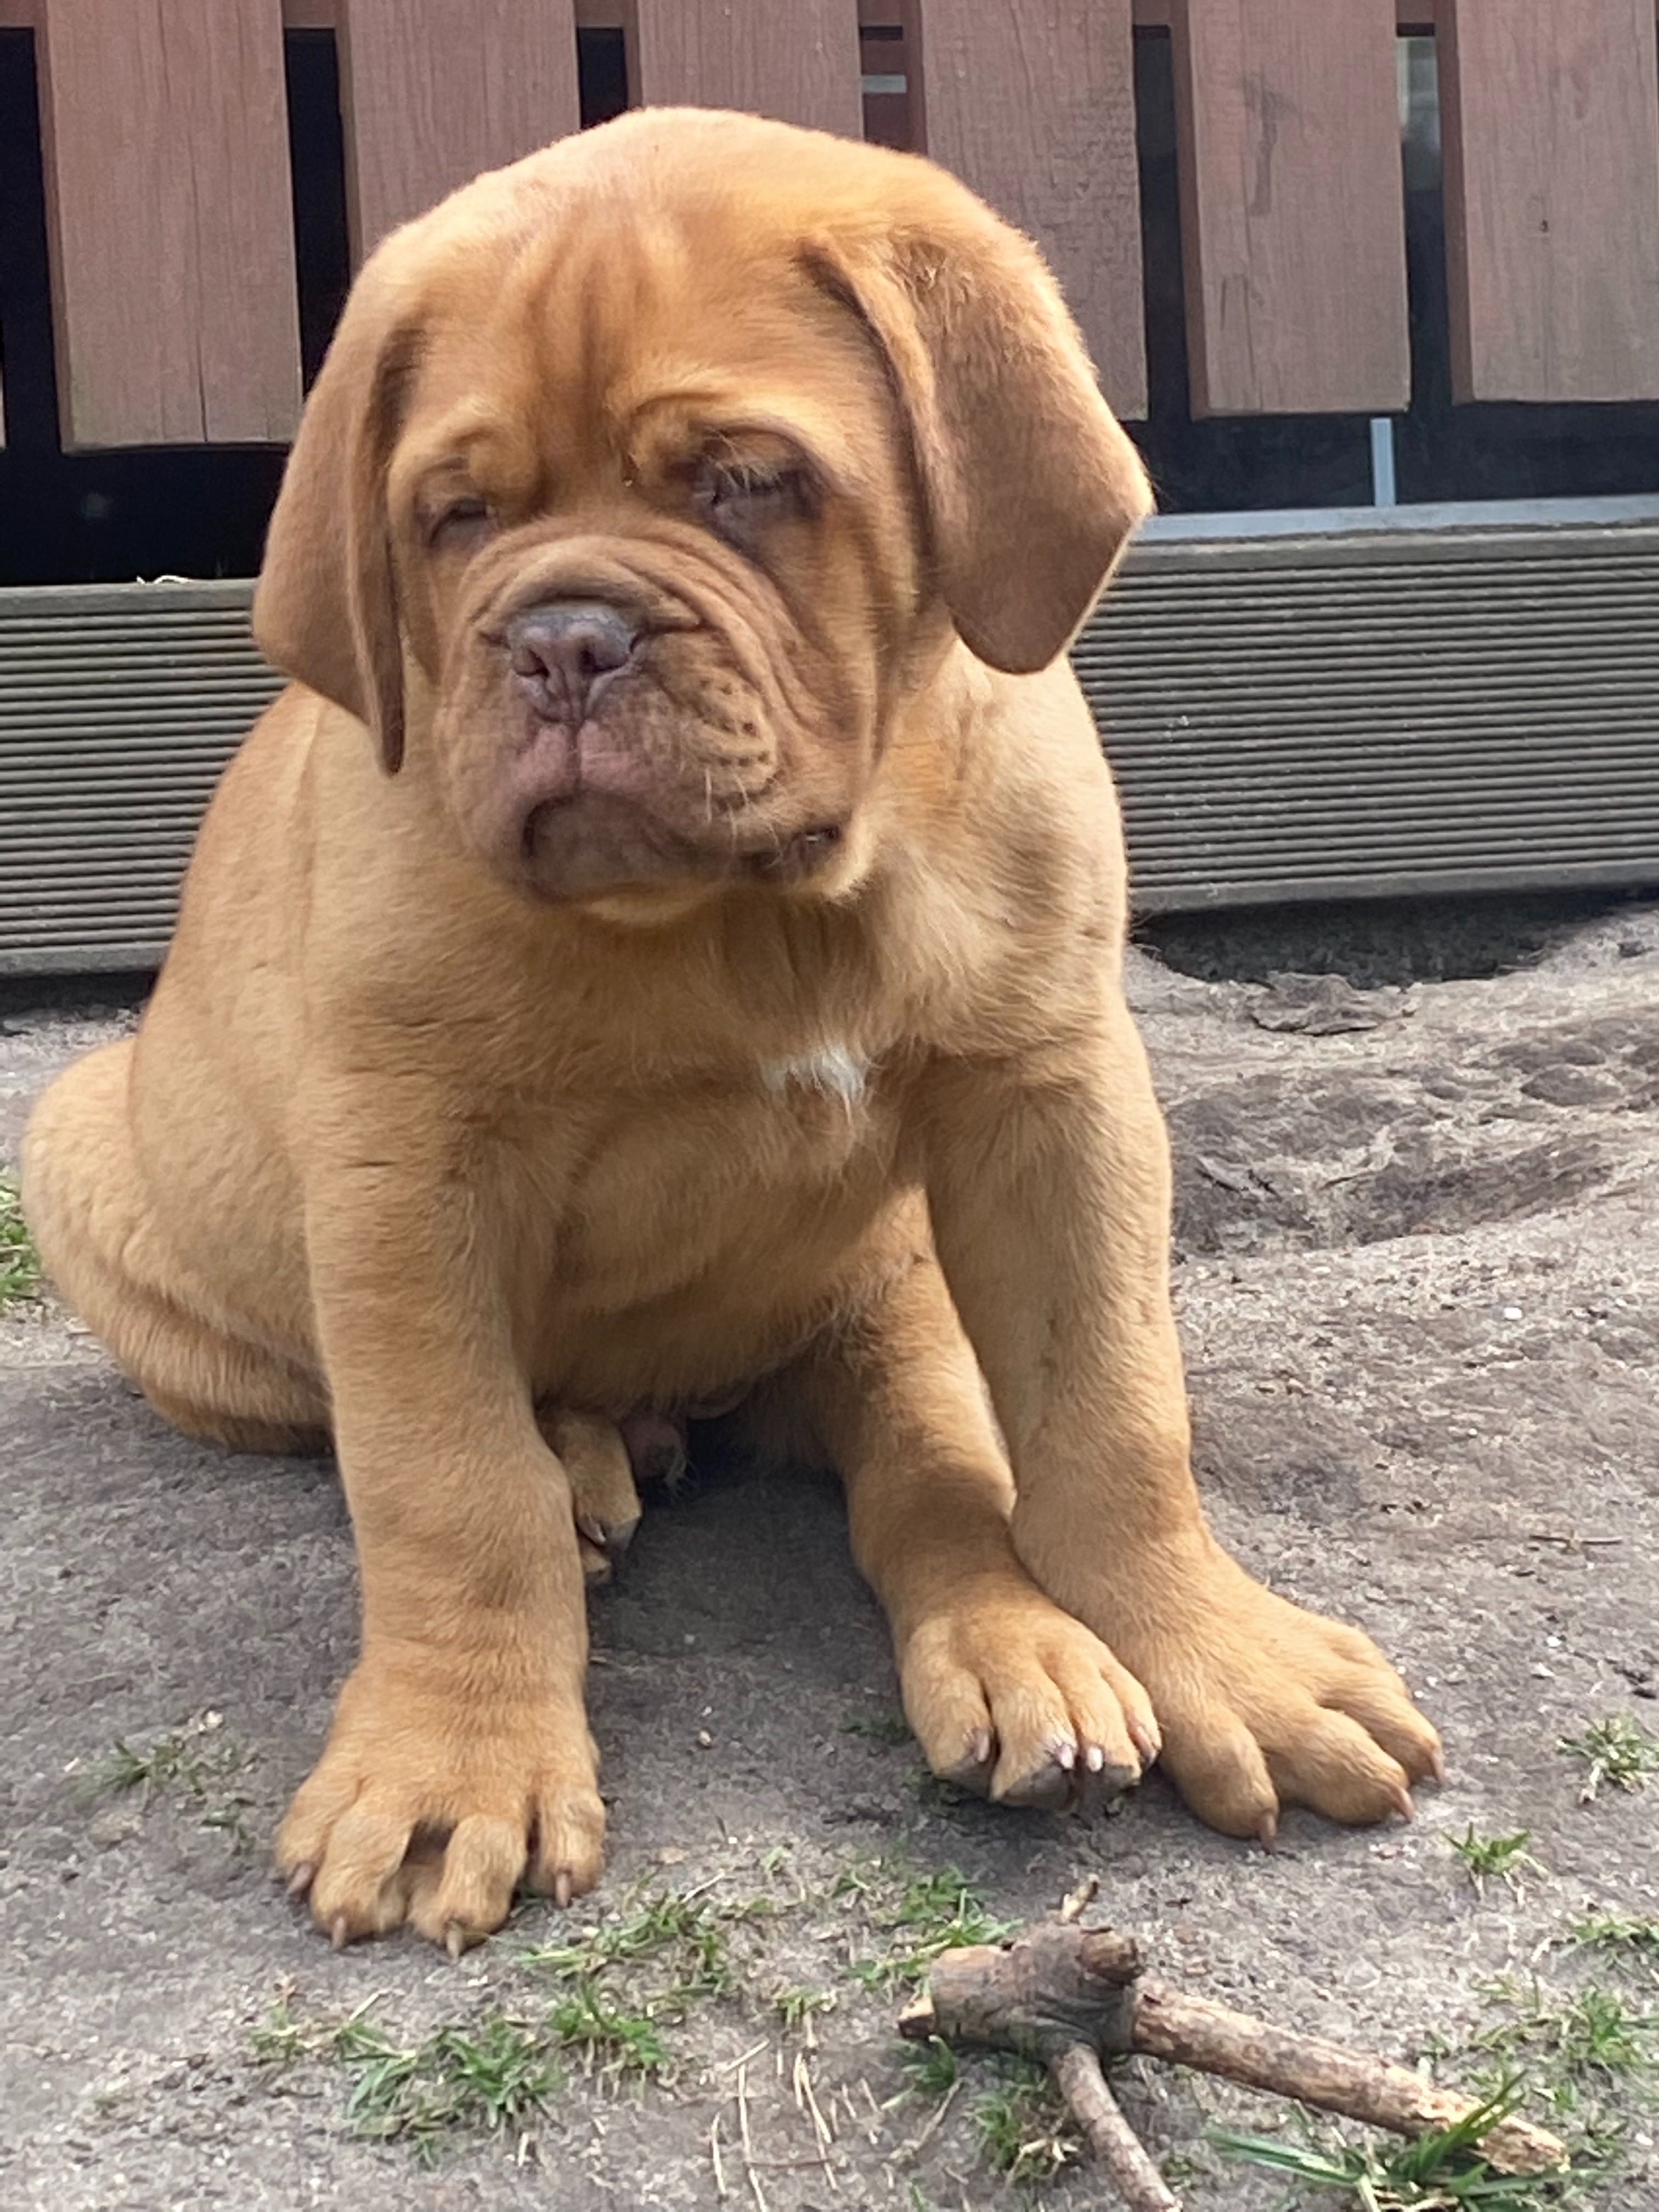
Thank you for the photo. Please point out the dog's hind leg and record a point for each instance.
(596, 1459)
(84, 1198)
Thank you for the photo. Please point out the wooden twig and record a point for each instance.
(1070, 1996)
(1077, 2075)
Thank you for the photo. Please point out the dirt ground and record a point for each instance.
(1419, 1279)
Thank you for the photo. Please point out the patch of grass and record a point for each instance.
(795, 2006)
(1616, 1748)
(494, 2076)
(608, 2038)
(1587, 2055)
(691, 1933)
(1614, 1932)
(934, 1913)
(861, 1878)
(641, 1969)
(885, 1727)
(1488, 1858)
(1437, 2172)
(1024, 2130)
(1591, 2037)
(20, 1263)
(931, 2068)
(197, 1766)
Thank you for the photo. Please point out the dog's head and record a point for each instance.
(647, 480)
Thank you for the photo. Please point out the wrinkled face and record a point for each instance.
(648, 480)
(654, 552)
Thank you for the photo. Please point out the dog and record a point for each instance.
(664, 948)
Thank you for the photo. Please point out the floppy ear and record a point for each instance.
(325, 609)
(1029, 486)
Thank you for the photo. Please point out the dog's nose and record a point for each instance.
(564, 651)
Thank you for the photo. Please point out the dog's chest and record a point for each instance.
(829, 1071)
(769, 1171)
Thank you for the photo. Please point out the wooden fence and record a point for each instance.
(166, 156)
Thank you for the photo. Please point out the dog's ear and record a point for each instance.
(325, 608)
(1030, 487)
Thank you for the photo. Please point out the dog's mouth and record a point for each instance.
(595, 844)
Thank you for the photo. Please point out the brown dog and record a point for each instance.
(666, 938)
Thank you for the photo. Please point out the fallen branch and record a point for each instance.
(1071, 1995)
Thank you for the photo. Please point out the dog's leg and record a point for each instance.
(1006, 1693)
(463, 1719)
(605, 1504)
(85, 1200)
(1049, 1188)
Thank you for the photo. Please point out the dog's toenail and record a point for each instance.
(1066, 1755)
(455, 1939)
(338, 1934)
(561, 1888)
(1097, 1758)
(1266, 1832)
(979, 1750)
(1146, 1741)
(302, 1878)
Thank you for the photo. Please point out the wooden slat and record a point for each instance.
(435, 91)
(1292, 213)
(171, 224)
(795, 59)
(1032, 103)
(1550, 130)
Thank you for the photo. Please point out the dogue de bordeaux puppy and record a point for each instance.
(663, 945)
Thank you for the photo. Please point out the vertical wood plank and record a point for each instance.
(794, 60)
(1291, 206)
(170, 217)
(435, 91)
(1550, 137)
(1032, 103)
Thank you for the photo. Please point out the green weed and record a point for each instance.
(1024, 2130)
(931, 2068)
(197, 1766)
(496, 2076)
(1616, 1749)
(610, 2038)
(1504, 1858)
(20, 1263)
(1438, 2172)
(935, 1912)
(1616, 1933)
(795, 2006)
(691, 1933)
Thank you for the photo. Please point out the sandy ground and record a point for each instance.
(1416, 1268)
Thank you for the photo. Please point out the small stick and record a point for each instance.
(1195, 2031)
(1068, 1995)
(1077, 2073)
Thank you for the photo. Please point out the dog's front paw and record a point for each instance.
(1261, 1705)
(1010, 1697)
(439, 1791)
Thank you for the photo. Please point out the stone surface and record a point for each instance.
(1416, 1269)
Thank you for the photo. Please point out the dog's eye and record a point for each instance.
(460, 523)
(735, 490)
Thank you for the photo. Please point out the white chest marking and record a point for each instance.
(831, 1068)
